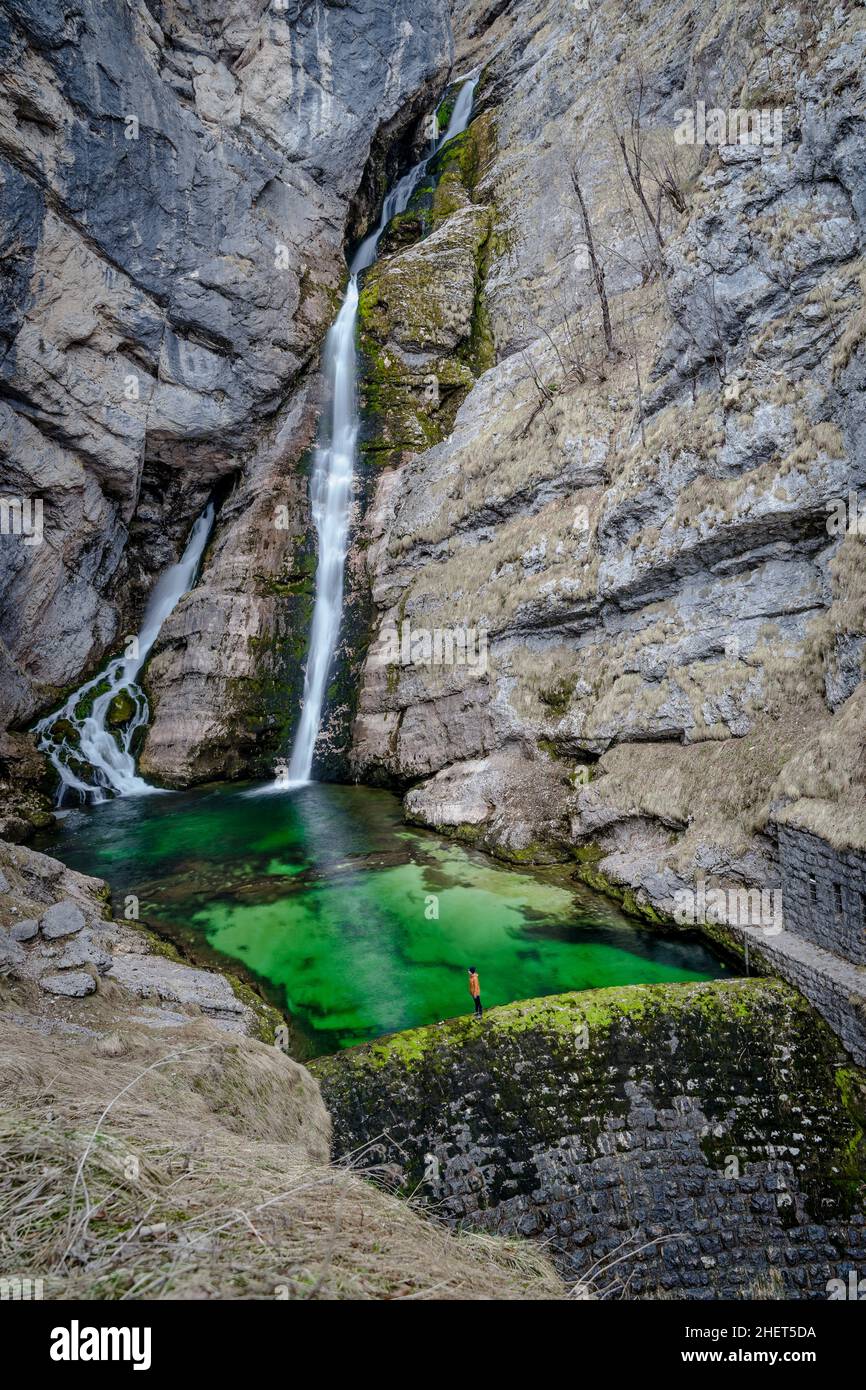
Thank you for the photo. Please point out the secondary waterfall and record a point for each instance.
(78, 737)
(334, 461)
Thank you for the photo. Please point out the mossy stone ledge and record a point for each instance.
(721, 1120)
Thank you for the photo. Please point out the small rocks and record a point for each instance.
(85, 950)
(74, 984)
(156, 1232)
(24, 930)
(63, 919)
(12, 954)
(65, 946)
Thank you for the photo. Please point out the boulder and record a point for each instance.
(74, 984)
(84, 949)
(63, 919)
(25, 930)
(13, 957)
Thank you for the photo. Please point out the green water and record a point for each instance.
(330, 902)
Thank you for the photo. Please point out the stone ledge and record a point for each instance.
(835, 987)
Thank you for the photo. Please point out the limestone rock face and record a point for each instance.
(177, 181)
(642, 530)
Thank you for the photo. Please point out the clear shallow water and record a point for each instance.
(323, 895)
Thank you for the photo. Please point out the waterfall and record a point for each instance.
(334, 460)
(82, 744)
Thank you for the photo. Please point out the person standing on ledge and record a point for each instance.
(475, 991)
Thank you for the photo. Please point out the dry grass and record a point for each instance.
(826, 781)
(854, 333)
(195, 1166)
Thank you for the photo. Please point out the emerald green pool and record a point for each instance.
(354, 924)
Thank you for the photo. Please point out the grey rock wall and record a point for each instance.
(642, 531)
(177, 179)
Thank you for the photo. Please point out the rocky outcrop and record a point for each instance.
(685, 1141)
(177, 182)
(58, 940)
(641, 528)
(25, 801)
(634, 504)
(423, 321)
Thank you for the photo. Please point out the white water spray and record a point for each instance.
(94, 751)
(334, 462)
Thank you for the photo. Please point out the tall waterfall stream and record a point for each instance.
(334, 465)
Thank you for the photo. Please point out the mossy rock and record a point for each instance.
(84, 706)
(469, 154)
(427, 301)
(678, 1081)
(446, 106)
(405, 229)
(630, 903)
(121, 709)
(64, 731)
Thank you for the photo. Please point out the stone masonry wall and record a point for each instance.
(833, 986)
(824, 893)
(711, 1134)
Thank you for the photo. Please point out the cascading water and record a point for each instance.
(78, 738)
(334, 463)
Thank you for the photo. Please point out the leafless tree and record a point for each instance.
(544, 395)
(597, 268)
(630, 337)
(576, 348)
(668, 176)
(829, 311)
(632, 145)
(718, 348)
(805, 39)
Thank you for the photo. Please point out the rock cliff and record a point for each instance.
(178, 179)
(612, 386)
(634, 499)
(611, 376)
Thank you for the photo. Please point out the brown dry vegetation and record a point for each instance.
(192, 1165)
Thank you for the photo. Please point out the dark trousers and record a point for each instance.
(479, 1012)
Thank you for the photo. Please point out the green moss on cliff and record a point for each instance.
(628, 900)
(404, 309)
(121, 709)
(714, 1000)
(468, 156)
(265, 706)
(84, 706)
(752, 1072)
